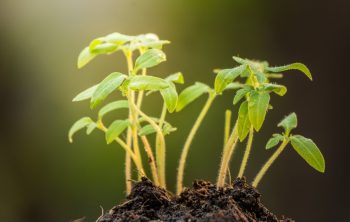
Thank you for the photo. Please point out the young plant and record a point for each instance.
(305, 147)
(131, 85)
(255, 94)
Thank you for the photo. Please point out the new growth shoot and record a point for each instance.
(143, 52)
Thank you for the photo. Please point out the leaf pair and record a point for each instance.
(85, 122)
(305, 147)
(149, 129)
(251, 112)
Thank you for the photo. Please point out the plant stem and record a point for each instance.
(269, 162)
(160, 150)
(151, 160)
(246, 153)
(228, 115)
(226, 157)
(161, 156)
(133, 116)
(128, 164)
(141, 93)
(188, 142)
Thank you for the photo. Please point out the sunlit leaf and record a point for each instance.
(190, 94)
(120, 104)
(147, 83)
(103, 48)
(226, 76)
(257, 108)
(86, 94)
(243, 124)
(278, 89)
(106, 87)
(294, 66)
(115, 129)
(78, 125)
(150, 58)
(85, 57)
(176, 78)
(273, 141)
(308, 150)
(170, 97)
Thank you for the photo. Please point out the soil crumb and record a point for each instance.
(201, 203)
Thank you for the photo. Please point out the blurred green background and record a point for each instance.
(44, 178)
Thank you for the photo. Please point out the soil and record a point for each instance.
(239, 202)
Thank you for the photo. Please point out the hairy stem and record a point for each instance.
(188, 142)
(226, 157)
(269, 162)
(128, 163)
(151, 160)
(228, 115)
(161, 156)
(246, 153)
(133, 115)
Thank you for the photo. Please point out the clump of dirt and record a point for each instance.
(201, 203)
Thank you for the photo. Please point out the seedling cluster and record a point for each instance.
(143, 52)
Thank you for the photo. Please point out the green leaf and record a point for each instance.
(117, 38)
(170, 97)
(115, 129)
(90, 128)
(240, 94)
(278, 89)
(226, 76)
(289, 122)
(150, 58)
(120, 104)
(260, 76)
(234, 85)
(103, 48)
(148, 129)
(106, 87)
(147, 83)
(85, 57)
(308, 150)
(294, 66)
(243, 124)
(190, 94)
(176, 78)
(273, 141)
(257, 108)
(78, 125)
(86, 94)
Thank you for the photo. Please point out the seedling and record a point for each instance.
(255, 93)
(143, 52)
(305, 147)
(132, 86)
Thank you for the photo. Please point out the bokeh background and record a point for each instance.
(44, 178)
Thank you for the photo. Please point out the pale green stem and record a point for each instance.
(160, 151)
(228, 115)
(187, 145)
(246, 153)
(133, 115)
(226, 157)
(161, 157)
(269, 162)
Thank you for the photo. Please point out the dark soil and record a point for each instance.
(203, 202)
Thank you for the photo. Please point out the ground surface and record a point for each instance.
(201, 203)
